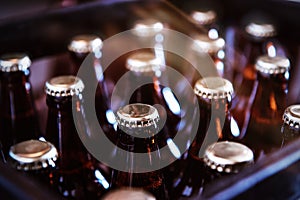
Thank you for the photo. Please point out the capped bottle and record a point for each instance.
(260, 37)
(149, 83)
(86, 51)
(35, 158)
(138, 132)
(291, 124)
(18, 121)
(206, 18)
(214, 46)
(216, 122)
(76, 173)
(263, 132)
(128, 194)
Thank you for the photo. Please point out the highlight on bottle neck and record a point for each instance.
(87, 43)
(291, 116)
(272, 64)
(33, 155)
(213, 88)
(228, 157)
(14, 62)
(144, 62)
(63, 86)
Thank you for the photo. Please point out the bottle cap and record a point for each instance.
(33, 155)
(228, 157)
(291, 116)
(272, 65)
(137, 115)
(14, 62)
(204, 17)
(143, 62)
(85, 44)
(129, 194)
(62, 86)
(205, 44)
(147, 28)
(213, 88)
(261, 30)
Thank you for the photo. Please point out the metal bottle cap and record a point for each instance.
(147, 28)
(208, 45)
(213, 88)
(129, 194)
(228, 157)
(62, 86)
(272, 65)
(204, 17)
(85, 44)
(33, 155)
(137, 115)
(261, 30)
(291, 116)
(14, 62)
(143, 62)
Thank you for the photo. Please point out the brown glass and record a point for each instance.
(18, 120)
(75, 173)
(152, 181)
(264, 131)
(289, 134)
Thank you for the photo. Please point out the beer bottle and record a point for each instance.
(214, 46)
(216, 122)
(85, 51)
(18, 121)
(263, 133)
(36, 159)
(148, 76)
(76, 173)
(128, 194)
(138, 132)
(259, 37)
(291, 124)
(205, 18)
(220, 159)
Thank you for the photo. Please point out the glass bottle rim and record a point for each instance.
(14, 62)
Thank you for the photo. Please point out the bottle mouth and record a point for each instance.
(204, 17)
(260, 30)
(291, 116)
(129, 194)
(14, 62)
(272, 64)
(85, 44)
(62, 86)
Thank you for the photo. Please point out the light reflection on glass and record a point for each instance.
(172, 102)
(101, 179)
(173, 148)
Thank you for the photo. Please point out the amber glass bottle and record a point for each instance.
(146, 76)
(259, 36)
(36, 159)
(214, 46)
(263, 132)
(291, 124)
(138, 132)
(76, 173)
(18, 120)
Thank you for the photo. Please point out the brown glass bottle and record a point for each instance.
(214, 46)
(76, 173)
(291, 124)
(263, 132)
(138, 132)
(259, 36)
(18, 120)
(85, 51)
(146, 76)
(35, 159)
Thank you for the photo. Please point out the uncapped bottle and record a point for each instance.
(18, 121)
(77, 174)
(36, 159)
(260, 37)
(138, 132)
(291, 124)
(263, 132)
